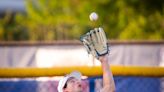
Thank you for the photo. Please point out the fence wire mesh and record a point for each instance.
(49, 84)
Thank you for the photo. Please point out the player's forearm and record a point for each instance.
(108, 78)
(108, 81)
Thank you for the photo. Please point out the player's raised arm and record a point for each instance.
(108, 81)
(95, 42)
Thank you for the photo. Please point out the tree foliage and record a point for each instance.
(68, 19)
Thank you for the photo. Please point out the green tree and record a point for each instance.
(69, 19)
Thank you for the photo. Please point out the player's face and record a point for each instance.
(73, 85)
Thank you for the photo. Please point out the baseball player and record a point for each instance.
(96, 44)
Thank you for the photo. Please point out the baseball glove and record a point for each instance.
(95, 42)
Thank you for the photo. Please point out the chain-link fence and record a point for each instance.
(123, 84)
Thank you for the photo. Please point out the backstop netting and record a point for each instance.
(127, 79)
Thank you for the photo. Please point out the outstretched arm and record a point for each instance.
(108, 82)
(95, 42)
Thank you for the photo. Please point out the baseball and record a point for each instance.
(93, 16)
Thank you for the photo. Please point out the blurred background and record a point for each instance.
(45, 34)
(42, 20)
